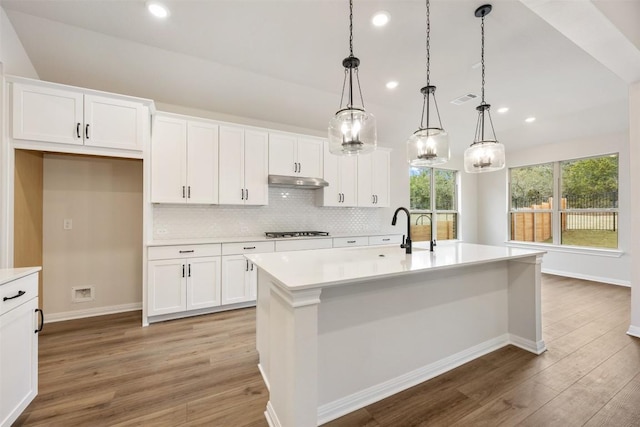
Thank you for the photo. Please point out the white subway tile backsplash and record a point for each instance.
(289, 209)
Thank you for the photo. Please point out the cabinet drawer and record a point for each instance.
(385, 240)
(185, 251)
(342, 242)
(247, 248)
(19, 291)
(303, 245)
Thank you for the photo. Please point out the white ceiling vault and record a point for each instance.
(280, 61)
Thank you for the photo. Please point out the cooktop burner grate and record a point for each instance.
(281, 234)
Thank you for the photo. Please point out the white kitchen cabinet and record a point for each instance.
(180, 280)
(295, 155)
(184, 161)
(52, 113)
(20, 322)
(244, 166)
(239, 278)
(341, 174)
(373, 179)
(344, 242)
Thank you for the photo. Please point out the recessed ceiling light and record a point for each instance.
(157, 10)
(392, 84)
(503, 110)
(530, 119)
(381, 19)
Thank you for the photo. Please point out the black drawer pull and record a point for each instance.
(385, 240)
(249, 247)
(187, 252)
(18, 295)
(41, 325)
(351, 241)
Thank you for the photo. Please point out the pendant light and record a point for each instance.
(429, 145)
(486, 154)
(352, 130)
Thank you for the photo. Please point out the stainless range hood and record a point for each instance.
(296, 182)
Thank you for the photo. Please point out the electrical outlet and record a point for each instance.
(67, 224)
(82, 294)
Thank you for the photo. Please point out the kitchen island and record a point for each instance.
(338, 329)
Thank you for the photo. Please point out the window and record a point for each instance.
(587, 212)
(433, 191)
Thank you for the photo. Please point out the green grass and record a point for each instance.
(590, 238)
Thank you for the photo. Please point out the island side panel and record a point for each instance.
(525, 305)
(262, 324)
(293, 357)
(379, 337)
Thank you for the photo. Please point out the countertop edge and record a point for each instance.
(10, 274)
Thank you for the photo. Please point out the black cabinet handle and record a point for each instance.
(252, 266)
(78, 130)
(295, 167)
(183, 191)
(189, 271)
(182, 270)
(385, 240)
(41, 323)
(242, 193)
(187, 252)
(246, 192)
(86, 131)
(188, 192)
(247, 266)
(18, 295)
(351, 241)
(249, 247)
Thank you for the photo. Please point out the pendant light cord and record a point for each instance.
(428, 44)
(482, 57)
(351, 28)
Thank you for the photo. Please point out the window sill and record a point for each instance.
(611, 253)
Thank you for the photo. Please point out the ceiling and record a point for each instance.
(280, 61)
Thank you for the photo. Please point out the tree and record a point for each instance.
(531, 185)
(420, 188)
(591, 183)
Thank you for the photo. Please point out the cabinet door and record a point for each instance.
(19, 356)
(203, 282)
(331, 194)
(113, 123)
(235, 287)
(231, 166)
(45, 114)
(348, 170)
(202, 163)
(256, 168)
(380, 177)
(252, 281)
(310, 157)
(282, 154)
(167, 286)
(365, 184)
(168, 160)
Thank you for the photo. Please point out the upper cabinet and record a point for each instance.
(244, 166)
(85, 121)
(373, 179)
(341, 172)
(295, 155)
(184, 160)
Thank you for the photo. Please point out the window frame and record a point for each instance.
(432, 199)
(557, 212)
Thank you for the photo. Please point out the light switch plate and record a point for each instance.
(67, 224)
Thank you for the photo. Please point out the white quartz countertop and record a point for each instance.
(10, 274)
(329, 267)
(214, 240)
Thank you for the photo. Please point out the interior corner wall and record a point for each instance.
(12, 53)
(493, 208)
(103, 249)
(634, 157)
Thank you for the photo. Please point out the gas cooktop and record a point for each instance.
(281, 234)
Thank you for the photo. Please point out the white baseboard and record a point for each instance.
(525, 344)
(607, 280)
(355, 401)
(634, 331)
(270, 415)
(264, 377)
(91, 312)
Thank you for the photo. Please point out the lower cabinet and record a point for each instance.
(20, 322)
(240, 278)
(183, 278)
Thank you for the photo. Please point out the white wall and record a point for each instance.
(12, 54)
(493, 208)
(103, 198)
(634, 149)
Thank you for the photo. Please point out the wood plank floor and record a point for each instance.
(201, 371)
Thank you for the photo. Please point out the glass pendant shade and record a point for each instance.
(485, 156)
(427, 147)
(352, 131)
